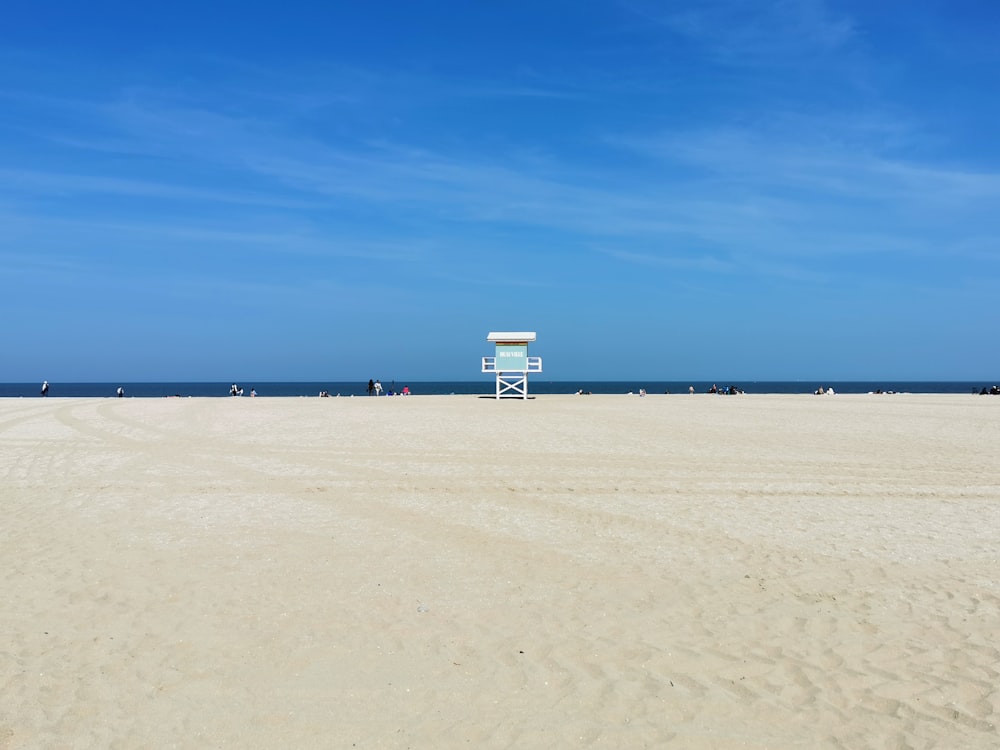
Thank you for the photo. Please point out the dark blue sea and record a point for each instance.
(486, 386)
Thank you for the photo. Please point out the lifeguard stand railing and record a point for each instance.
(511, 363)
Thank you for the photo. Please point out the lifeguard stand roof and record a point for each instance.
(511, 337)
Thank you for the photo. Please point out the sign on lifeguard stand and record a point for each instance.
(512, 363)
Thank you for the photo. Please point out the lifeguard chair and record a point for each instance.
(512, 363)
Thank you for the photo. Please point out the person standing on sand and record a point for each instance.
(378, 387)
(371, 387)
(121, 392)
(45, 388)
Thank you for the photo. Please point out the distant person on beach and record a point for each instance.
(371, 387)
(378, 387)
(45, 388)
(253, 393)
(406, 390)
(235, 390)
(121, 392)
(691, 390)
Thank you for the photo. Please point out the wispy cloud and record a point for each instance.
(181, 239)
(666, 260)
(465, 187)
(525, 91)
(820, 168)
(767, 197)
(37, 182)
(756, 32)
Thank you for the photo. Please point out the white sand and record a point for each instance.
(438, 572)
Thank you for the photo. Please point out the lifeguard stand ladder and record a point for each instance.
(512, 363)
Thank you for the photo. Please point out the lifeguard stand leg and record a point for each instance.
(515, 383)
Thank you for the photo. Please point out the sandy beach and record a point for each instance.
(452, 571)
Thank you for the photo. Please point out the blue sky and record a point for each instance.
(785, 189)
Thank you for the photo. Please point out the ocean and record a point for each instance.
(484, 387)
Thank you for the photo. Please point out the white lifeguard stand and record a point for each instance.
(512, 363)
